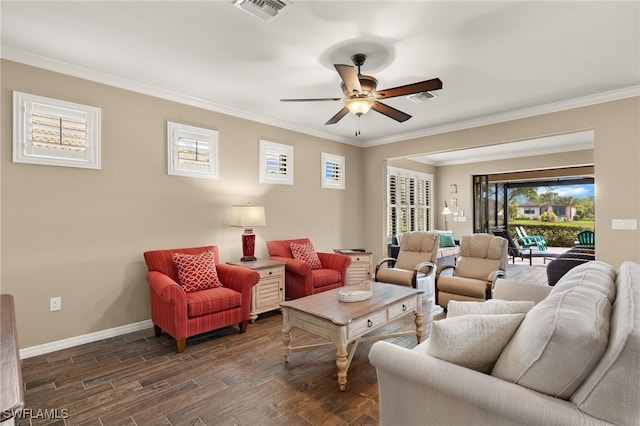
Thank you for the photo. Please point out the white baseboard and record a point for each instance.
(85, 338)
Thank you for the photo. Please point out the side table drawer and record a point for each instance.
(362, 325)
(268, 293)
(270, 272)
(400, 308)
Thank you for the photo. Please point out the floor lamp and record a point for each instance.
(247, 217)
(446, 212)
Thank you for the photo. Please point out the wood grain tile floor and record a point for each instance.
(222, 378)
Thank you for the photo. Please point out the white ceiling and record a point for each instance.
(497, 60)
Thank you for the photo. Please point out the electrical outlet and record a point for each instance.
(55, 304)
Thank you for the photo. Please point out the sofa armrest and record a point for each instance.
(515, 290)
(298, 267)
(417, 389)
(337, 262)
(236, 277)
(166, 289)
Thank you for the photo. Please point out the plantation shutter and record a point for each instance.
(276, 163)
(55, 132)
(332, 167)
(409, 201)
(193, 151)
(58, 132)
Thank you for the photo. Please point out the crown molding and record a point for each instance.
(609, 96)
(44, 62)
(39, 61)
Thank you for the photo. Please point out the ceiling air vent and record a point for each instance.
(263, 9)
(421, 97)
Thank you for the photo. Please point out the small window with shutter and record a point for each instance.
(276, 163)
(55, 133)
(332, 170)
(192, 151)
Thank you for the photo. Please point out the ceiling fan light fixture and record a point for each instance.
(359, 106)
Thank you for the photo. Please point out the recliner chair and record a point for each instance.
(482, 259)
(415, 265)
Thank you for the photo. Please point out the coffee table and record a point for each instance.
(343, 323)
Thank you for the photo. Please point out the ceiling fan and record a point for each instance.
(362, 96)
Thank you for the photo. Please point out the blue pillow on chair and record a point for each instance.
(446, 239)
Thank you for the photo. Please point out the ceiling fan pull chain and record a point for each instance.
(358, 129)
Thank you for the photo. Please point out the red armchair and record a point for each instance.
(300, 280)
(184, 314)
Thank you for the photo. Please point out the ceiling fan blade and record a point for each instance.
(390, 112)
(349, 78)
(310, 100)
(409, 89)
(333, 120)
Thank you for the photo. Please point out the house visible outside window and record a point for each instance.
(409, 201)
(332, 169)
(55, 133)
(276, 163)
(192, 151)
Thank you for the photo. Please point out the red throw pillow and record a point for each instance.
(306, 253)
(196, 272)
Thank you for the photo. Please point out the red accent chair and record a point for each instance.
(300, 280)
(184, 314)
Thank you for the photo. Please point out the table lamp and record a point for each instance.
(247, 217)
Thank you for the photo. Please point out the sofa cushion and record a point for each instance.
(306, 253)
(475, 267)
(212, 300)
(322, 277)
(597, 275)
(472, 341)
(559, 342)
(446, 239)
(457, 308)
(613, 384)
(196, 272)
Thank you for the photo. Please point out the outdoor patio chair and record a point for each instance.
(529, 241)
(586, 239)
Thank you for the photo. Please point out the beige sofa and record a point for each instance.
(574, 358)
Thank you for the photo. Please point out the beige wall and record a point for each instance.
(616, 157)
(80, 234)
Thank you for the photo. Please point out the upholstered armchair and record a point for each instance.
(482, 259)
(306, 274)
(415, 265)
(180, 303)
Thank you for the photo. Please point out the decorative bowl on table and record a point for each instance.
(356, 293)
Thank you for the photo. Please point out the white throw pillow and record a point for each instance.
(456, 308)
(559, 342)
(472, 341)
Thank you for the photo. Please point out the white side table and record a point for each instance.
(268, 293)
(360, 268)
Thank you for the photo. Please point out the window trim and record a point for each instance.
(25, 151)
(174, 167)
(268, 149)
(338, 161)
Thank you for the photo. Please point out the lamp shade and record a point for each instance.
(446, 211)
(359, 106)
(247, 216)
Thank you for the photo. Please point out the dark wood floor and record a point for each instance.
(222, 378)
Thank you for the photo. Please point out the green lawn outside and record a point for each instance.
(556, 234)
